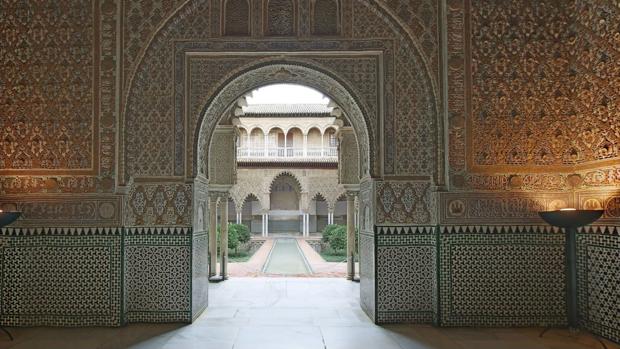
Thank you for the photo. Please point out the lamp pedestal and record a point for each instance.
(570, 220)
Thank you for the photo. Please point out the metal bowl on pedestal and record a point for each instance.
(570, 218)
(7, 218)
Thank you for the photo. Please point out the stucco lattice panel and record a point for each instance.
(598, 262)
(348, 159)
(46, 96)
(325, 17)
(237, 17)
(409, 133)
(406, 275)
(457, 112)
(61, 277)
(420, 18)
(223, 156)
(206, 74)
(363, 74)
(141, 19)
(521, 112)
(503, 278)
(149, 110)
(157, 276)
(281, 18)
(597, 87)
(403, 202)
(159, 204)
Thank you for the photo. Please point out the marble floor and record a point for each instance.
(289, 313)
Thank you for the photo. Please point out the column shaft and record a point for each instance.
(350, 237)
(224, 237)
(212, 236)
(305, 145)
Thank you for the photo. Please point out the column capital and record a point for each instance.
(351, 188)
(220, 191)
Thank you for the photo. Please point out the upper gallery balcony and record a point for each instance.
(282, 154)
(287, 133)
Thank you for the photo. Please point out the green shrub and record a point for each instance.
(327, 232)
(338, 238)
(243, 233)
(233, 239)
(234, 236)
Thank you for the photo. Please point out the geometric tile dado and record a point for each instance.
(598, 261)
(61, 277)
(504, 276)
(406, 274)
(157, 275)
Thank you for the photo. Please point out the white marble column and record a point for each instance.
(239, 218)
(266, 145)
(305, 145)
(350, 236)
(266, 224)
(305, 225)
(263, 229)
(224, 237)
(212, 235)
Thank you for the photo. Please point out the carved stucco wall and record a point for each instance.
(531, 101)
(223, 155)
(348, 157)
(58, 119)
(532, 126)
(562, 67)
(159, 159)
(257, 182)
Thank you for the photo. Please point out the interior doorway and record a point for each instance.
(288, 194)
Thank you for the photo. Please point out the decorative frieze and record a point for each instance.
(404, 202)
(65, 210)
(159, 204)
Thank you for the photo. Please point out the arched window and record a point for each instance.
(281, 19)
(325, 17)
(237, 18)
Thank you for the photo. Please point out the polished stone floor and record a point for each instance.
(289, 313)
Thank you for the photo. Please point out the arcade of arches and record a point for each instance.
(126, 127)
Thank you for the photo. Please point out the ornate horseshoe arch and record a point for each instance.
(215, 111)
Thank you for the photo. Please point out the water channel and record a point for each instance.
(286, 258)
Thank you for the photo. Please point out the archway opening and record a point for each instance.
(250, 214)
(291, 147)
(284, 197)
